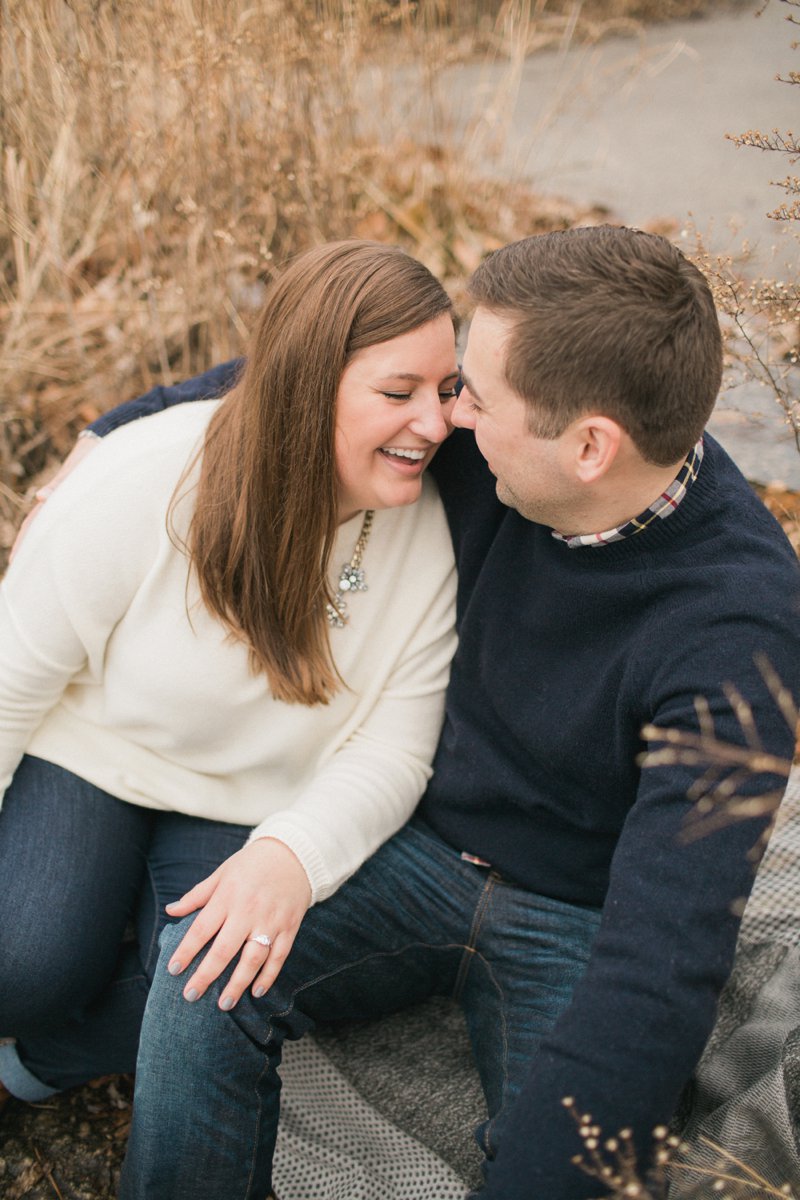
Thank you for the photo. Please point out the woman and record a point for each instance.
(185, 677)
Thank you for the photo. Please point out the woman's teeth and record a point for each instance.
(414, 455)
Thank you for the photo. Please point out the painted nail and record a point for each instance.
(191, 994)
(174, 967)
(259, 991)
(226, 1003)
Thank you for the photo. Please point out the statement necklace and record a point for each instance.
(351, 578)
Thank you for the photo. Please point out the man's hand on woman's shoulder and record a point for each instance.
(84, 445)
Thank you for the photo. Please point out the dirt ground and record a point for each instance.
(67, 1148)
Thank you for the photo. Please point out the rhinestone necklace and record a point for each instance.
(351, 578)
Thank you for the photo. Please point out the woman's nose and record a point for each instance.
(429, 419)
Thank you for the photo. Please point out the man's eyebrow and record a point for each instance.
(470, 386)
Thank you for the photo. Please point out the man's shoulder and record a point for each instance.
(164, 435)
(743, 531)
(210, 384)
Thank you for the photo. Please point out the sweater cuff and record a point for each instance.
(285, 830)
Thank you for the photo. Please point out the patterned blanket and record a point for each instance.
(384, 1111)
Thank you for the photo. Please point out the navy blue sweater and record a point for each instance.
(564, 655)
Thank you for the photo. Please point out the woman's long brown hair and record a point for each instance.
(266, 514)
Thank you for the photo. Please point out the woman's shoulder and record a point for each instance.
(161, 435)
(143, 460)
(124, 487)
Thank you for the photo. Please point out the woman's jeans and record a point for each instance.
(415, 921)
(84, 878)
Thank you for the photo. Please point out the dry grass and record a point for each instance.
(158, 159)
(762, 316)
(613, 1162)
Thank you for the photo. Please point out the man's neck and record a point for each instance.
(622, 496)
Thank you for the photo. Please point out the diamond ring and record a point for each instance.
(263, 939)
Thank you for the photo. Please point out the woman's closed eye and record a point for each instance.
(449, 394)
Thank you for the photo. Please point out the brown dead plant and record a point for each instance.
(158, 159)
(762, 315)
(615, 1164)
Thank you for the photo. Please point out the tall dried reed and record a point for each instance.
(763, 315)
(158, 159)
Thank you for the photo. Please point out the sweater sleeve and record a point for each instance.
(370, 786)
(99, 526)
(643, 1011)
(212, 383)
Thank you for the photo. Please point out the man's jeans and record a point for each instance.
(415, 921)
(79, 867)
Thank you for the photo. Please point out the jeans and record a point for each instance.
(415, 921)
(78, 869)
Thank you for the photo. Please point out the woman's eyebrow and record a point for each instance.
(416, 378)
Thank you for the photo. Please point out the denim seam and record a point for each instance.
(471, 952)
(146, 956)
(477, 923)
(491, 1122)
(356, 962)
(257, 1131)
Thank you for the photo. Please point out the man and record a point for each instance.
(614, 567)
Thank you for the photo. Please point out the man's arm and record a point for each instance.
(643, 1011)
(214, 382)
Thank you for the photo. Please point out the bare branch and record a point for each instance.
(777, 689)
(744, 715)
(692, 748)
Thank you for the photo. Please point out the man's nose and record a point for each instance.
(429, 419)
(461, 414)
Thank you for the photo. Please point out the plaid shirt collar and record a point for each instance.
(661, 508)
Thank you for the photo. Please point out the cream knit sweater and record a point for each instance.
(111, 667)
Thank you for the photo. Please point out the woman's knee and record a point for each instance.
(175, 1029)
(41, 985)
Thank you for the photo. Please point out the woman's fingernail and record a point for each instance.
(174, 967)
(191, 994)
(226, 1003)
(259, 991)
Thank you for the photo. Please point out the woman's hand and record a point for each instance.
(260, 890)
(79, 451)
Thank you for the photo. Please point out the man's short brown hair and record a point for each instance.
(612, 321)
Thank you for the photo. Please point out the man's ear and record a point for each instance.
(595, 447)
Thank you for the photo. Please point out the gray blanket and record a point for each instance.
(744, 1103)
(384, 1111)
